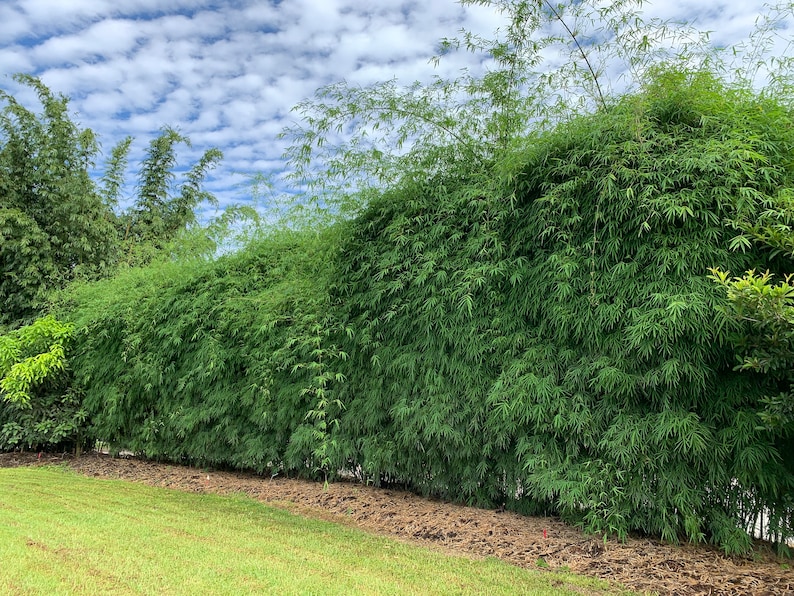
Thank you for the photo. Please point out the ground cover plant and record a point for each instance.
(136, 539)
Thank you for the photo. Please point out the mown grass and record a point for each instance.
(62, 533)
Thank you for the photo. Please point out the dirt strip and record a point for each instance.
(646, 566)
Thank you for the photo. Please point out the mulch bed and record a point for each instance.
(642, 565)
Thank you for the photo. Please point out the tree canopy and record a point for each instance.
(54, 225)
(58, 223)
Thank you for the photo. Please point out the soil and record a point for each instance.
(640, 564)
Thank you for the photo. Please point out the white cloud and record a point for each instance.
(227, 73)
(15, 59)
(15, 24)
(99, 41)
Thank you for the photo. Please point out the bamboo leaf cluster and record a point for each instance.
(220, 362)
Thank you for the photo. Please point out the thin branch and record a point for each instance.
(581, 51)
(449, 131)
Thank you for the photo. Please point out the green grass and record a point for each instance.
(62, 533)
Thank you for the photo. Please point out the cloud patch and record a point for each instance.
(227, 73)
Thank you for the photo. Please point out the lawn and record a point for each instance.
(63, 533)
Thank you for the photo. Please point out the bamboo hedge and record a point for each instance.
(540, 333)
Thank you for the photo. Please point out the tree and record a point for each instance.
(159, 214)
(58, 225)
(54, 225)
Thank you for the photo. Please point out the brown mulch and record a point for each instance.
(643, 565)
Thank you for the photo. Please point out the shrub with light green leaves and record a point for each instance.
(765, 338)
(38, 406)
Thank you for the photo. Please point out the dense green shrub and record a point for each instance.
(215, 361)
(39, 409)
(558, 341)
(626, 213)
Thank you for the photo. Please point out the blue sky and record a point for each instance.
(227, 73)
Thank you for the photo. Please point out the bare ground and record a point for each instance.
(643, 565)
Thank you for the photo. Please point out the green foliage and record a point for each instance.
(27, 264)
(561, 345)
(551, 59)
(539, 333)
(113, 178)
(766, 345)
(57, 225)
(38, 408)
(54, 226)
(322, 417)
(160, 215)
(218, 362)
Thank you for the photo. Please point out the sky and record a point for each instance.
(227, 73)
